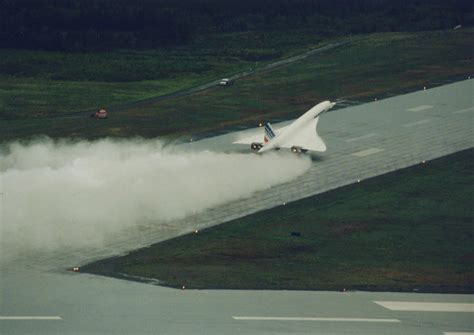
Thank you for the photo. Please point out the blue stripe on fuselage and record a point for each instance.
(269, 131)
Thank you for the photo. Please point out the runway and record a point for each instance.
(38, 296)
(363, 141)
(369, 140)
(85, 304)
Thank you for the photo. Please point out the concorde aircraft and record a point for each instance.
(299, 137)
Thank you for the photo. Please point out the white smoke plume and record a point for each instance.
(63, 193)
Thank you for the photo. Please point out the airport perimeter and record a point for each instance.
(38, 295)
(362, 142)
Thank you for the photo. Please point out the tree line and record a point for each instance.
(79, 25)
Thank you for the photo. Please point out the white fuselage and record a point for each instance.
(295, 127)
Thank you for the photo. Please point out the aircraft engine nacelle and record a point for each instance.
(298, 150)
(256, 146)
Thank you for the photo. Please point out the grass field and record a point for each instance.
(368, 68)
(404, 231)
(41, 83)
(41, 93)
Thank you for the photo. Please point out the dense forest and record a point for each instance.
(79, 25)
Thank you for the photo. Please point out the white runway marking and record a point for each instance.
(367, 152)
(284, 318)
(457, 333)
(35, 318)
(463, 110)
(426, 306)
(360, 138)
(419, 108)
(417, 123)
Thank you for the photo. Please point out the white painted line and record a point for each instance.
(367, 152)
(417, 123)
(427, 306)
(463, 110)
(279, 318)
(457, 333)
(360, 138)
(419, 108)
(30, 318)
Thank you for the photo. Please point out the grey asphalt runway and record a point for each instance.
(39, 296)
(85, 304)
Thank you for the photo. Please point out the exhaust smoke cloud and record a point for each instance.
(77, 194)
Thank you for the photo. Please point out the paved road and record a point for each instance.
(214, 83)
(37, 296)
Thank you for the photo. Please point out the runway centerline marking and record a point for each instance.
(287, 318)
(367, 152)
(361, 137)
(419, 108)
(34, 318)
(463, 110)
(426, 306)
(417, 123)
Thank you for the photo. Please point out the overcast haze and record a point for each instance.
(77, 194)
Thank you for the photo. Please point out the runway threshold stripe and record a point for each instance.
(361, 137)
(463, 110)
(30, 318)
(417, 123)
(427, 306)
(367, 152)
(280, 318)
(419, 108)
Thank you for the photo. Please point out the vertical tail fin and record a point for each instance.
(269, 133)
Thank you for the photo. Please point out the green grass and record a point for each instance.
(51, 83)
(407, 230)
(41, 93)
(370, 67)
(98, 80)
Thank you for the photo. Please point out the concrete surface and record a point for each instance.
(38, 295)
